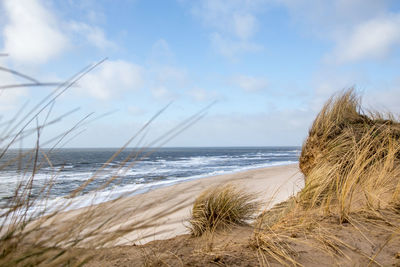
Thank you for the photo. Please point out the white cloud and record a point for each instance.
(111, 79)
(328, 18)
(250, 83)
(371, 39)
(93, 34)
(235, 17)
(358, 29)
(31, 34)
(233, 22)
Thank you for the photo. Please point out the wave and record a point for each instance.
(167, 168)
(133, 189)
(139, 186)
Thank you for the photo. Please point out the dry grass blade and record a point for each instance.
(43, 236)
(270, 244)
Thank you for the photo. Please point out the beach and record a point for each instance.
(163, 213)
(338, 206)
(199, 133)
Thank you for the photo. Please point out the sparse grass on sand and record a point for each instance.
(221, 207)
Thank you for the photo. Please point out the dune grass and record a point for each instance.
(221, 207)
(351, 160)
(351, 166)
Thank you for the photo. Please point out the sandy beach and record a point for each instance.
(346, 214)
(163, 213)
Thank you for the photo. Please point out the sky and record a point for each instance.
(266, 66)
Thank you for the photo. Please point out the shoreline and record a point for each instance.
(199, 177)
(82, 201)
(162, 213)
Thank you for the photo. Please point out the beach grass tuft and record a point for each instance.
(221, 207)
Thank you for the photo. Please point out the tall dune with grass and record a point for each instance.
(350, 159)
(351, 164)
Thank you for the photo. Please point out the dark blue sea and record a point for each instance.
(132, 171)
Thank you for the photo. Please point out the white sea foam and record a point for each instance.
(93, 198)
(145, 175)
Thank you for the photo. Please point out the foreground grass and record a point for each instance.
(31, 232)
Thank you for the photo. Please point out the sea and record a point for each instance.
(110, 174)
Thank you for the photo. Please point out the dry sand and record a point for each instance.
(163, 213)
(160, 216)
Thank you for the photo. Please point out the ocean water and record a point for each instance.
(133, 171)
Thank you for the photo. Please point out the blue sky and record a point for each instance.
(269, 64)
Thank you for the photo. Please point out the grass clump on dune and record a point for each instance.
(221, 207)
(341, 119)
(351, 167)
(351, 160)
